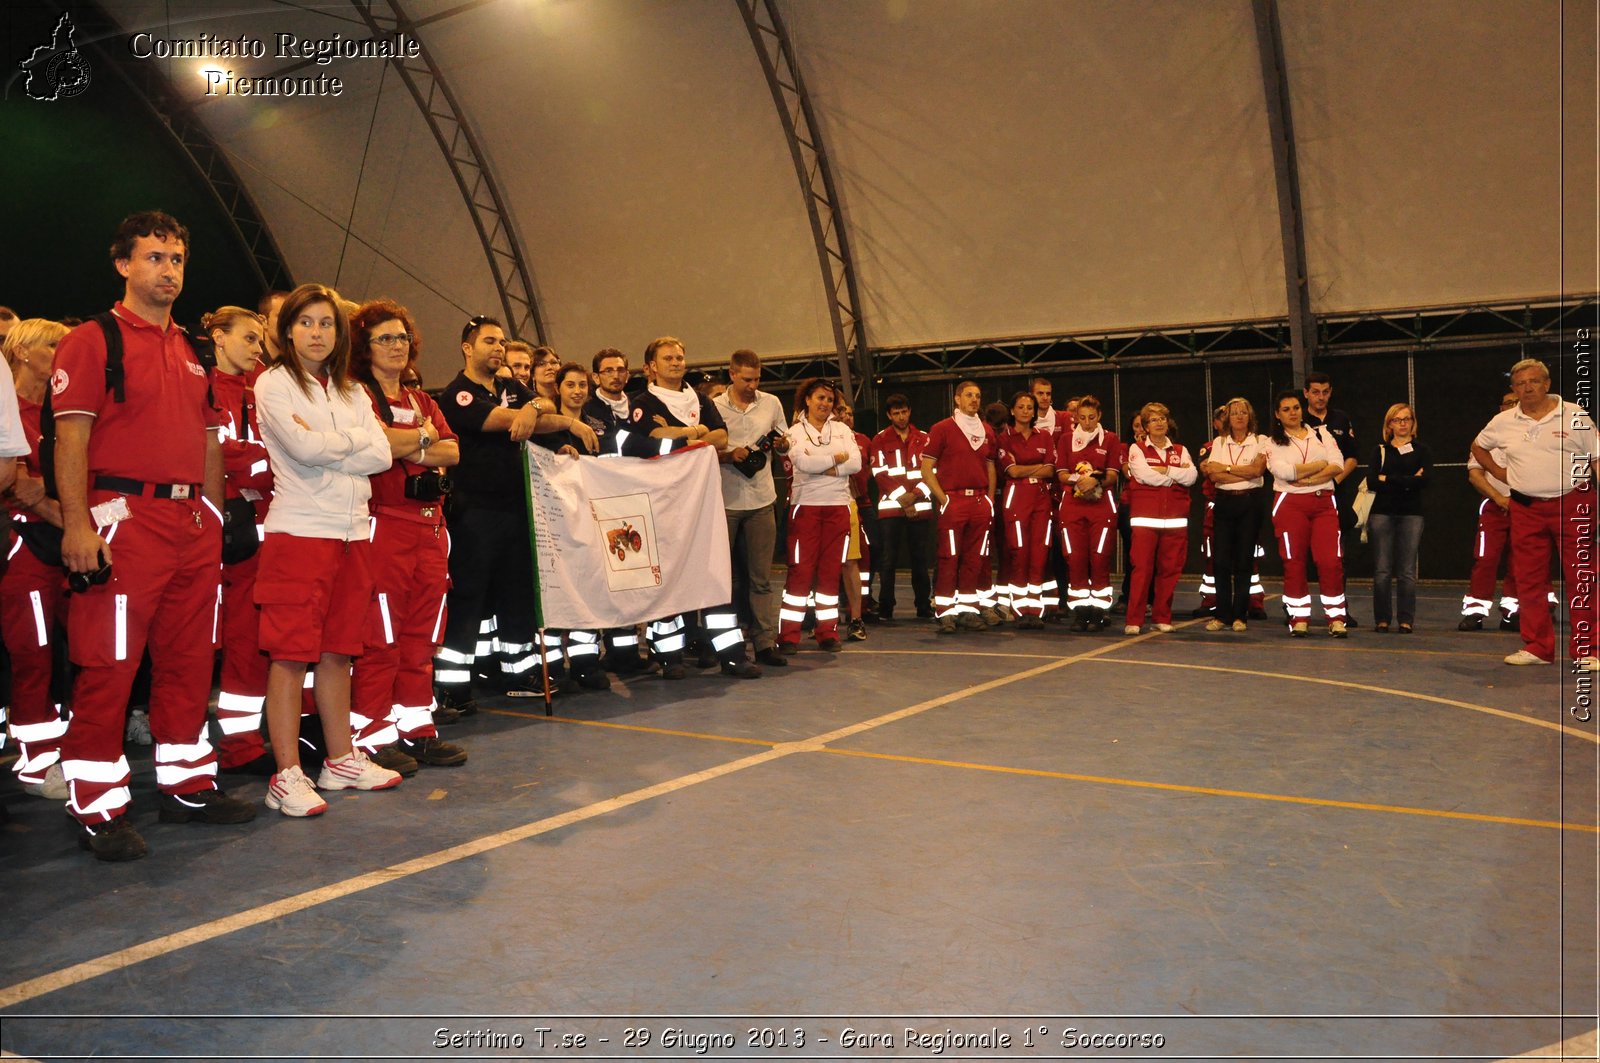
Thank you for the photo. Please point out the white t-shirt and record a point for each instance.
(1548, 457)
(1229, 452)
(13, 441)
(811, 455)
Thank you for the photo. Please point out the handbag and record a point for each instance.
(240, 540)
(1365, 496)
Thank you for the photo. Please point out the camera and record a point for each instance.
(80, 582)
(430, 486)
(756, 460)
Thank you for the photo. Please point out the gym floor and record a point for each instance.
(992, 845)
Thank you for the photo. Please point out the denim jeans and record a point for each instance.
(1395, 542)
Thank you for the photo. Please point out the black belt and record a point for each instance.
(124, 486)
(1528, 500)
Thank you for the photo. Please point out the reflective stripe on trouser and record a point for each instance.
(394, 678)
(1208, 546)
(1088, 539)
(1493, 533)
(1158, 556)
(817, 537)
(962, 541)
(665, 636)
(244, 668)
(722, 629)
(32, 597)
(1307, 528)
(1026, 550)
(162, 596)
(1556, 524)
(583, 651)
(491, 571)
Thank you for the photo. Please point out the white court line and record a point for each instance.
(20, 992)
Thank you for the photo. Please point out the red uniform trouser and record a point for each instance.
(963, 541)
(32, 596)
(391, 691)
(818, 539)
(1025, 551)
(1494, 531)
(1307, 527)
(244, 668)
(164, 594)
(1158, 556)
(1089, 539)
(1567, 525)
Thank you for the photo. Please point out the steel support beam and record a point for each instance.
(461, 152)
(1286, 174)
(99, 33)
(856, 370)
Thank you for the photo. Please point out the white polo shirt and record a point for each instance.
(1547, 457)
(745, 426)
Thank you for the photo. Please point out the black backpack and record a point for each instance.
(42, 539)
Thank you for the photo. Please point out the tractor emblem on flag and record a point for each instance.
(622, 540)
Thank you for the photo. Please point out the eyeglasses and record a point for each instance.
(395, 339)
(1400, 420)
(614, 369)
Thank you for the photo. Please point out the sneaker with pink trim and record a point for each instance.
(291, 793)
(354, 771)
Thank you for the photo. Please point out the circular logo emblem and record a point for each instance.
(58, 381)
(67, 75)
(463, 398)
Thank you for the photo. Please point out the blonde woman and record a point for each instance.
(1398, 474)
(1160, 473)
(33, 593)
(1236, 468)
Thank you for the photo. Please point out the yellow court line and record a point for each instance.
(20, 992)
(1143, 784)
(1345, 683)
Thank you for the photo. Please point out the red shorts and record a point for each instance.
(314, 596)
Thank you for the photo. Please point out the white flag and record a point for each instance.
(621, 541)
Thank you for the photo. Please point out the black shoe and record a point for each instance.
(705, 657)
(594, 680)
(566, 685)
(205, 806)
(830, 645)
(771, 658)
(452, 700)
(1474, 623)
(622, 663)
(870, 615)
(1202, 610)
(788, 649)
(114, 842)
(740, 670)
(1080, 620)
(1511, 623)
(1350, 622)
(262, 767)
(858, 631)
(675, 670)
(1258, 613)
(433, 751)
(395, 758)
(925, 614)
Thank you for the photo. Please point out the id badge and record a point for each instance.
(108, 513)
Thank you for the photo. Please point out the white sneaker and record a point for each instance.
(1131, 629)
(1163, 627)
(291, 793)
(1524, 657)
(138, 731)
(355, 772)
(54, 786)
(1587, 664)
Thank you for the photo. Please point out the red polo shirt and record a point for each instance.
(158, 434)
(957, 465)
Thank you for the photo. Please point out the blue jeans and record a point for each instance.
(1395, 542)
